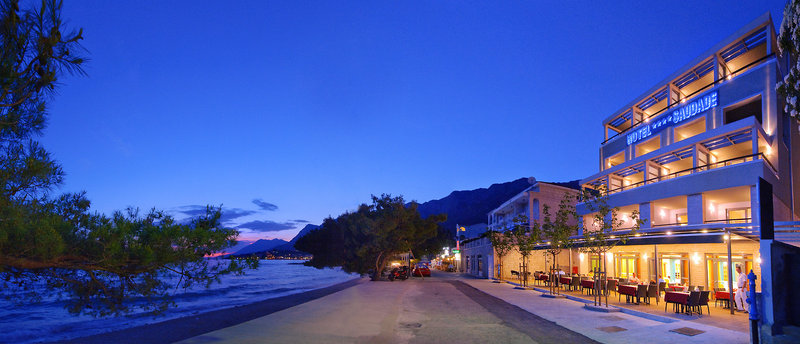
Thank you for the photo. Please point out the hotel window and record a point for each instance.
(690, 129)
(681, 219)
(744, 110)
(737, 215)
(648, 146)
(717, 268)
(615, 160)
(675, 267)
(627, 264)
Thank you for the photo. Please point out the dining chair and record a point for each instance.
(703, 302)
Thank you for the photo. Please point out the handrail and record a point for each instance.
(692, 170)
(729, 220)
(670, 224)
(670, 105)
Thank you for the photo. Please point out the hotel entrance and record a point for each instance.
(675, 268)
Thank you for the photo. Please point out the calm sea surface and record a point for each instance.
(49, 321)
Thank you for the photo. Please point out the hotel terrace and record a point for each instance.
(688, 155)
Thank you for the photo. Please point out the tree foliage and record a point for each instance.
(525, 237)
(502, 243)
(789, 44)
(607, 226)
(54, 244)
(558, 230)
(365, 240)
(607, 229)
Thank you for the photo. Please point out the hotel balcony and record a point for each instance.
(722, 65)
(732, 149)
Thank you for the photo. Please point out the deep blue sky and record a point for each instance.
(311, 107)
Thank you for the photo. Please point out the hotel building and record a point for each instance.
(688, 155)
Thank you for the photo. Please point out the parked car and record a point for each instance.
(422, 270)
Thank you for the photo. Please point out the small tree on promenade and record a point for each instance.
(558, 231)
(502, 243)
(525, 237)
(607, 231)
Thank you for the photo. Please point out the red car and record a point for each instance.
(422, 270)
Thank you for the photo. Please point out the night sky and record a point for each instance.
(286, 112)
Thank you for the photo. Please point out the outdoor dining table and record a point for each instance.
(565, 280)
(676, 297)
(677, 288)
(724, 297)
(629, 291)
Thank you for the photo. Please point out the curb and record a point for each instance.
(645, 315)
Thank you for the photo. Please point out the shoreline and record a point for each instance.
(178, 329)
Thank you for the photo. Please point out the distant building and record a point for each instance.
(477, 254)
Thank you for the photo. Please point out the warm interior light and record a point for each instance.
(725, 237)
(581, 256)
(669, 232)
(610, 256)
(644, 256)
(711, 206)
(696, 258)
(758, 260)
(729, 77)
(662, 213)
(683, 100)
(624, 217)
(664, 171)
(647, 119)
(768, 151)
(713, 158)
(705, 231)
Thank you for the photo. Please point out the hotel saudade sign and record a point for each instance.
(677, 116)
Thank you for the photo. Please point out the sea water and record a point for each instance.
(49, 320)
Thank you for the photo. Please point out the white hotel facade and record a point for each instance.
(688, 155)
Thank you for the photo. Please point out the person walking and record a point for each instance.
(741, 290)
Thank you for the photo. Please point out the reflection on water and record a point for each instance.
(49, 321)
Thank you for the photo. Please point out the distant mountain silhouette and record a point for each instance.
(290, 245)
(472, 206)
(261, 245)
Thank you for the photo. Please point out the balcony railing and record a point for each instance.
(702, 89)
(711, 166)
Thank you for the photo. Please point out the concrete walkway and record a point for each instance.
(430, 310)
(570, 314)
(453, 308)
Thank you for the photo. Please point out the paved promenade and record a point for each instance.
(611, 327)
(451, 308)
